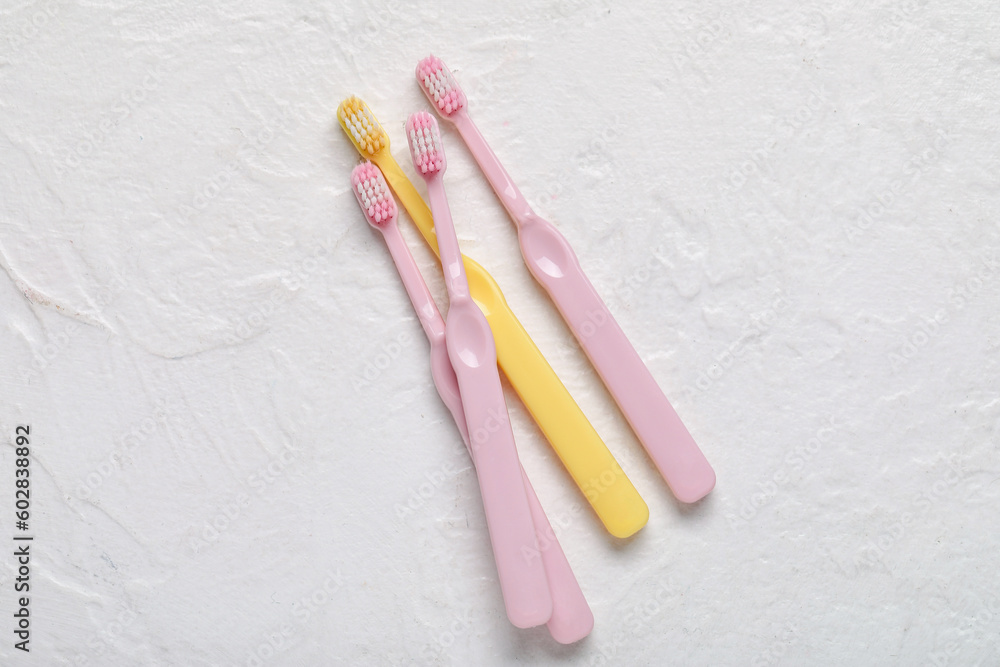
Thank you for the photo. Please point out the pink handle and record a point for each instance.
(649, 413)
(554, 265)
(571, 618)
(473, 356)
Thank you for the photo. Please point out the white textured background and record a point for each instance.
(190, 296)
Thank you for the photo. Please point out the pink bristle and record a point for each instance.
(439, 85)
(372, 193)
(425, 143)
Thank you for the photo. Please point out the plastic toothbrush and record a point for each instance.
(581, 450)
(472, 352)
(571, 619)
(554, 265)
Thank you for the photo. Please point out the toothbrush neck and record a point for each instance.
(447, 240)
(511, 198)
(416, 288)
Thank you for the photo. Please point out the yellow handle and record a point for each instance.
(588, 460)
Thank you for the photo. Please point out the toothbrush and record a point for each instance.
(581, 450)
(554, 265)
(473, 356)
(571, 619)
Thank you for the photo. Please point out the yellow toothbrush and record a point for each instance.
(581, 450)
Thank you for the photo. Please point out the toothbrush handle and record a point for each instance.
(554, 265)
(508, 516)
(473, 355)
(571, 619)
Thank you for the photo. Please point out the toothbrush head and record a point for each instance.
(425, 144)
(440, 86)
(362, 127)
(373, 194)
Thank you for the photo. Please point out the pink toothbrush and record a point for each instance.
(571, 618)
(473, 356)
(554, 265)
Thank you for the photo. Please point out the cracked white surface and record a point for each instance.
(792, 210)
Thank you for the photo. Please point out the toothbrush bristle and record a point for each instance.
(440, 86)
(373, 195)
(425, 143)
(362, 127)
